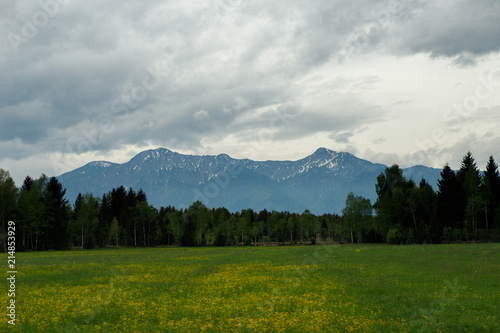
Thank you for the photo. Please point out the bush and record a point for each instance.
(447, 235)
(410, 237)
(460, 235)
(394, 236)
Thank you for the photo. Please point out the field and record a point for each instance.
(348, 288)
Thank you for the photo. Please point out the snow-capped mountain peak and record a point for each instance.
(319, 182)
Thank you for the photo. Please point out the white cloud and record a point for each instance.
(201, 115)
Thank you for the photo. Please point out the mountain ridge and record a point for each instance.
(319, 182)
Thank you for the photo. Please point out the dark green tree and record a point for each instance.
(141, 196)
(56, 211)
(450, 201)
(8, 203)
(392, 200)
(423, 206)
(31, 211)
(470, 179)
(190, 224)
(8, 199)
(105, 221)
(490, 189)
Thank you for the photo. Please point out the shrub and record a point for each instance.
(460, 234)
(447, 235)
(394, 236)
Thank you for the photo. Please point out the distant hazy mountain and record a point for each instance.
(320, 182)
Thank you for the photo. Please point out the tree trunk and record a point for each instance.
(359, 231)
(135, 233)
(352, 238)
(414, 219)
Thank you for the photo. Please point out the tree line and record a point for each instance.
(466, 207)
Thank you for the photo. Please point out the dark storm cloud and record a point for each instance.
(463, 30)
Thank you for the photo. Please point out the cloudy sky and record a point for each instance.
(407, 82)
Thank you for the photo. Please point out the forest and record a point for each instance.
(465, 208)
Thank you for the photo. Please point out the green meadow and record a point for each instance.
(322, 288)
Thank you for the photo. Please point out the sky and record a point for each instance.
(405, 82)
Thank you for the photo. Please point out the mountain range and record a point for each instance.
(319, 182)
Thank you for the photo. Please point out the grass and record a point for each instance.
(358, 288)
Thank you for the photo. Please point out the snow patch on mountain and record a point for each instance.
(319, 182)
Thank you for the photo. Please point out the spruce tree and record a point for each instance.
(470, 180)
(8, 198)
(490, 189)
(449, 200)
(56, 214)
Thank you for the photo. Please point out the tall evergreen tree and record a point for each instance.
(8, 199)
(490, 189)
(77, 205)
(119, 210)
(28, 182)
(188, 237)
(450, 202)
(105, 220)
(141, 196)
(118, 204)
(194, 224)
(470, 180)
(56, 215)
(129, 218)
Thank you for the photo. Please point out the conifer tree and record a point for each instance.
(449, 200)
(56, 215)
(490, 189)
